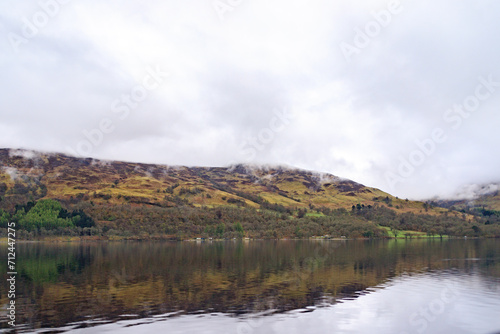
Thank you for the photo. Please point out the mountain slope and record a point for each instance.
(482, 196)
(44, 175)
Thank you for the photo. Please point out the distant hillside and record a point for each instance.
(475, 196)
(57, 176)
(58, 196)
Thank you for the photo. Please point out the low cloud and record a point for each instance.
(353, 119)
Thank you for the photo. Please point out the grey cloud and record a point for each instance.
(352, 119)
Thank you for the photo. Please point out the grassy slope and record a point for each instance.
(404, 233)
(489, 202)
(121, 182)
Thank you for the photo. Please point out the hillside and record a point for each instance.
(476, 196)
(47, 195)
(63, 177)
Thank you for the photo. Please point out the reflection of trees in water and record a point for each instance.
(48, 262)
(64, 283)
(47, 273)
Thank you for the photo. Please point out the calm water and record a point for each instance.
(419, 286)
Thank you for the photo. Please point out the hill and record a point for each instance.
(474, 197)
(64, 177)
(56, 194)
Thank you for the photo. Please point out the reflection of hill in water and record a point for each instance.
(58, 284)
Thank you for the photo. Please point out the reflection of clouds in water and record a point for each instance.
(408, 305)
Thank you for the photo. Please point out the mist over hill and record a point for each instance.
(480, 196)
(57, 194)
(67, 177)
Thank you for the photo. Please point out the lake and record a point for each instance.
(256, 286)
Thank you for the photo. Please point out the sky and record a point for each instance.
(403, 96)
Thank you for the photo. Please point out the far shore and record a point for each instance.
(57, 239)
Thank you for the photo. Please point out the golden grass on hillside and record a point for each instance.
(116, 182)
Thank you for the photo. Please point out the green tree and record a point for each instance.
(4, 218)
(45, 214)
(368, 234)
(239, 229)
(221, 228)
(395, 231)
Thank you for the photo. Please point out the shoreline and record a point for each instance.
(61, 239)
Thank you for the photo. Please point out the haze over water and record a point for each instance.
(396, 286)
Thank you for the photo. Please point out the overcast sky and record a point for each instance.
(342, 87)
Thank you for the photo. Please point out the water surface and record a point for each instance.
(418, 286)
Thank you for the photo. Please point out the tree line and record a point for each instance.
(59, 217)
